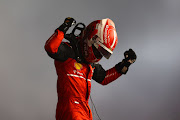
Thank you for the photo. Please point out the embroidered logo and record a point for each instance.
(76, 102)
(78, 66)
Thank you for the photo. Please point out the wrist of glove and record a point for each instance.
(130, 57)
(68, 22)
(122, 67)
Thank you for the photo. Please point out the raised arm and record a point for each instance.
(54, 46)
(105, 77)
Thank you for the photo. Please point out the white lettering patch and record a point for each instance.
(76, 102)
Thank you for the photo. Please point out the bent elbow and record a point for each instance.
(50, 48)
(103, 83)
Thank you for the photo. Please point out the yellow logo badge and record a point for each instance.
(78, 66)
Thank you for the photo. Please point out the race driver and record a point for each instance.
(75, 70)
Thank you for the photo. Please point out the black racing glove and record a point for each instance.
(68, 22)
(129, 58)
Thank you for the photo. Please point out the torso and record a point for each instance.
(73, 78)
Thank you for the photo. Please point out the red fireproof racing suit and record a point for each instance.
(74, 79)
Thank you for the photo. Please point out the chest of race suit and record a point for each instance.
(74, 79)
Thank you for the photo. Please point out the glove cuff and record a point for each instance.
(126, 63)
(119, 67)
(64, 28)
(122, 67)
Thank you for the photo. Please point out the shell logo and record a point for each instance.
(78, 66)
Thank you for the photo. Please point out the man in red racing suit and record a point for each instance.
(74, 78)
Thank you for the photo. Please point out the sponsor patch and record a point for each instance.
(78, 66)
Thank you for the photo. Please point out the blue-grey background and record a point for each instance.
(149, 91)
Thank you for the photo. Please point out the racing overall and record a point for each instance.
(74, 79)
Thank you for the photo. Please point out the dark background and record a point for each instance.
(149, 91)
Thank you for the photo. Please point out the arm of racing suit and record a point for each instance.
(54, 46)
(105, 77)
(57, 49)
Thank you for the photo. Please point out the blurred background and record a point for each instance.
(149, 91)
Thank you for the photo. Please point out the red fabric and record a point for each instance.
(72, 85)
(54, 41)
(72, 90)
(111, 75)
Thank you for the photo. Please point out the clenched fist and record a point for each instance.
(129, 58)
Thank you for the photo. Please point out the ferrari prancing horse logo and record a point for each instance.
(78, 66)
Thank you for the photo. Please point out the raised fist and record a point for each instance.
(130, 56)
(68, 22)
